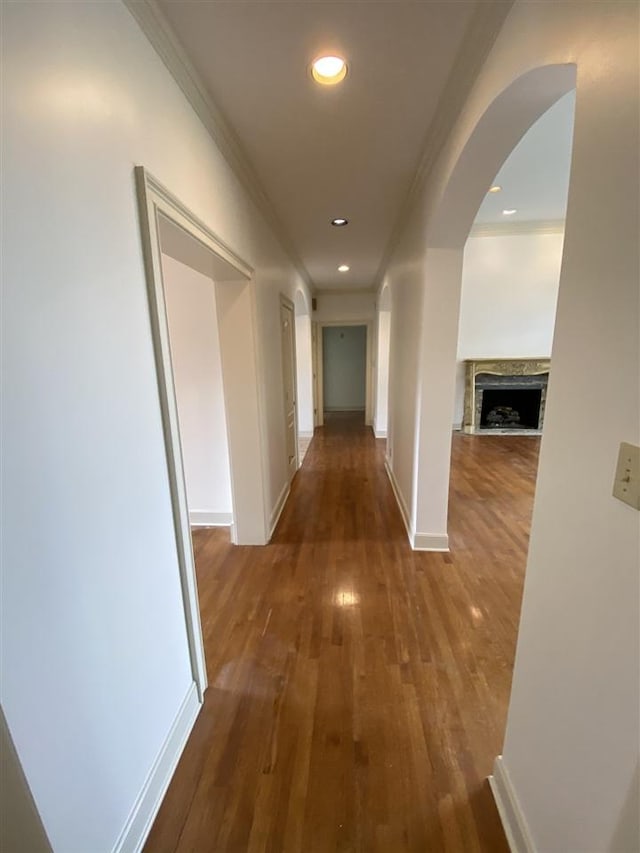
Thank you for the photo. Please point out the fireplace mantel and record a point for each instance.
(515, 367)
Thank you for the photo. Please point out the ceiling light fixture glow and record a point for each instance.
(510, 211)
(343, 268)
(496, 188)
(339, 221)
(329, 70)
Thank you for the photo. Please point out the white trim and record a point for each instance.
(154, 200)
(158, 31)
(418, 541)
(305, 434)
(516, 229)
(379, 433)
(173, 209)
(513, 820)
(157, 203)
(400, 500)
(430, 542)
(203, 518)
(277, 510)
(149, 800)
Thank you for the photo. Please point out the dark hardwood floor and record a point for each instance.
(358, 690)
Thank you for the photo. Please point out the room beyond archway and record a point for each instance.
(513, 112)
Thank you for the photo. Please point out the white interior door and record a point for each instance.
(287, 335)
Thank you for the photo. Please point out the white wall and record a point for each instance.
(440, 312)
(304, 366)
(508, 301)
(88, 547)
(571, 745)
(338, 307)
(382, 374)
(344, 367)
(197, 372)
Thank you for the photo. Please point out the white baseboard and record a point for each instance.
(150, 798)
(457, 427)
(202, 518)
(418, 541)
(305, 434)
(430, 542)
(380, 433)
(404, 512)
(277, 511)
(513, 821)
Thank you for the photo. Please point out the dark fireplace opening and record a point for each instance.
(510, 408)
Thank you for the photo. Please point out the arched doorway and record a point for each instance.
(495, 135)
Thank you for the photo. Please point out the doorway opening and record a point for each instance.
(343, 369)
(190, 271)
(510, 282)
(501, 252)
(514, 111)
(507, 269)
(197, 374)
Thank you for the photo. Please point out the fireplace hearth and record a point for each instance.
(510, 408)
(505, 396)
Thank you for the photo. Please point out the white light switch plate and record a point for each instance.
(626, 486)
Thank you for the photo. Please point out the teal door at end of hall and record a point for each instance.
(344, 359)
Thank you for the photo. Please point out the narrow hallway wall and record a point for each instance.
(197, 371)
(382, 374)
(304, 367)
(85, 97)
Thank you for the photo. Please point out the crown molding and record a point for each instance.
(158, 31)
(514, 229)
(480, 35)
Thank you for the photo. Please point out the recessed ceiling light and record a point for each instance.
(495, 188)
(343, 268)
(329, 70)
(339, 222)
(509, 211)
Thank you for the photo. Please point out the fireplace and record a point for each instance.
(505, 396)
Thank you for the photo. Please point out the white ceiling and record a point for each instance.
(535, 176)
(351, 150)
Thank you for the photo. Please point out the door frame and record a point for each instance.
(287, 303)
(318, 387)
(155, 201)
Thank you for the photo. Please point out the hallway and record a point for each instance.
(358, 690)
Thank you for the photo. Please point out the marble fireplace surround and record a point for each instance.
(523, 371)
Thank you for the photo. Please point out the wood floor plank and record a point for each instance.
(358, 689)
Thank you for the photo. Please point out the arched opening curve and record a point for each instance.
(505, 121)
